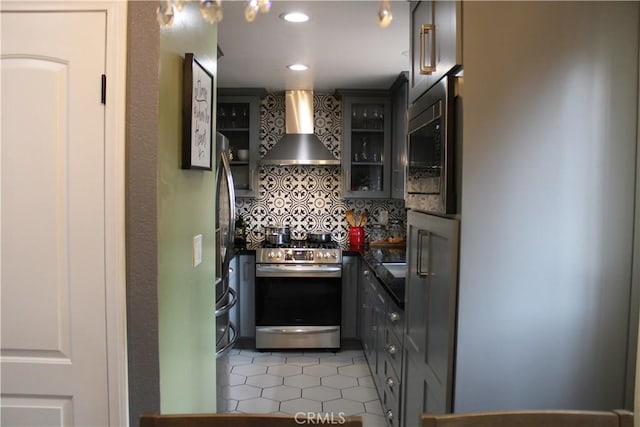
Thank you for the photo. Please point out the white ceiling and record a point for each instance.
(342, 43)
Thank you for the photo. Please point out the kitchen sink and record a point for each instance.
(396, 269)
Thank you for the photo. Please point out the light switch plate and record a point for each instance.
(197, 250)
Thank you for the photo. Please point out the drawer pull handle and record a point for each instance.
(394, 317)
(390, 382)
(391, 349)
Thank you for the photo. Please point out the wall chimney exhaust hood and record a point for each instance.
(299, 146)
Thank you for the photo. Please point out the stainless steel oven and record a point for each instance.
(430, 150)
(298, 297)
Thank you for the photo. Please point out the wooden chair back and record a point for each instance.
(551, 418)
(236, 420)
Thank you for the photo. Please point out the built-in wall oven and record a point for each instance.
(430, 150)
(298, 296)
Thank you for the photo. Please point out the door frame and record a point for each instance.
(115, 109)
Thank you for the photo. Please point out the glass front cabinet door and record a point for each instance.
(238, 118)
(366, 155)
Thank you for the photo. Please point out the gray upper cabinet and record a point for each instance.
(436, 43)
(366, 149)
(399, 100)
(238, 118)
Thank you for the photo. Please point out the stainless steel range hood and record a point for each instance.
(299, 146)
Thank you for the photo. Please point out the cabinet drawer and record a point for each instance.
(391, 380)
(390, 406)
(393, 350)
(395, 318)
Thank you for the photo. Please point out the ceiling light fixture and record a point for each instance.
(164, 13)
(255, 6)
(297, 67)
(211, 11)
(295, 17)
(384, 13)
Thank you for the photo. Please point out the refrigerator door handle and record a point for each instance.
(224, 350)
(227, 234)
(228, 306)
(422, 234)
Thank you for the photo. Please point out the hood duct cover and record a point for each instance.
(299, 145)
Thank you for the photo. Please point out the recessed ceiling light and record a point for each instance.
(295, 17)
(297, 67)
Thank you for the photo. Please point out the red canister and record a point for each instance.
(356, 239)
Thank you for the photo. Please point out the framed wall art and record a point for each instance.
(197, 115)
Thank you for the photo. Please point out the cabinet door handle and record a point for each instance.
(422, 234)
(394, 317)
(346, 174)
(390, 382)
(390, 415)
(430, 31)
(366, 273)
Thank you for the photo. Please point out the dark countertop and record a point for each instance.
(373, 258)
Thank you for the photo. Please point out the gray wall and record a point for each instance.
(167, 371)
(550, 113)
(143, 62)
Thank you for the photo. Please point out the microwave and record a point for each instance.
(430, 185)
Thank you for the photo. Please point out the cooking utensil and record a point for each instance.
(364, 218)
(319, 237)
(350, 218)
(277, 235)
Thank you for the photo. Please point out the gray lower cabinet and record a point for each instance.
(369, 318)
(234, 313)
(246, 295)
(392, 325)
(381, 332)
(430, 311)
(349, 321)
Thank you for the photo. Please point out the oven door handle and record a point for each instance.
(283, 270)
(291, 330)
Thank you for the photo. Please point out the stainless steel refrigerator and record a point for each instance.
(226, 297)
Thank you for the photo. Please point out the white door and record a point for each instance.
(52, 176)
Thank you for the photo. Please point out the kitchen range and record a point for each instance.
(298, 292)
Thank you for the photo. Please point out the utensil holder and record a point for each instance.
(356, 239)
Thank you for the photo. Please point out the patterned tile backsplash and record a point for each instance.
(306, 198)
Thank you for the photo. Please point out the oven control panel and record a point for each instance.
(298, 256)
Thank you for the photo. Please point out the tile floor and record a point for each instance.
(291, 382)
